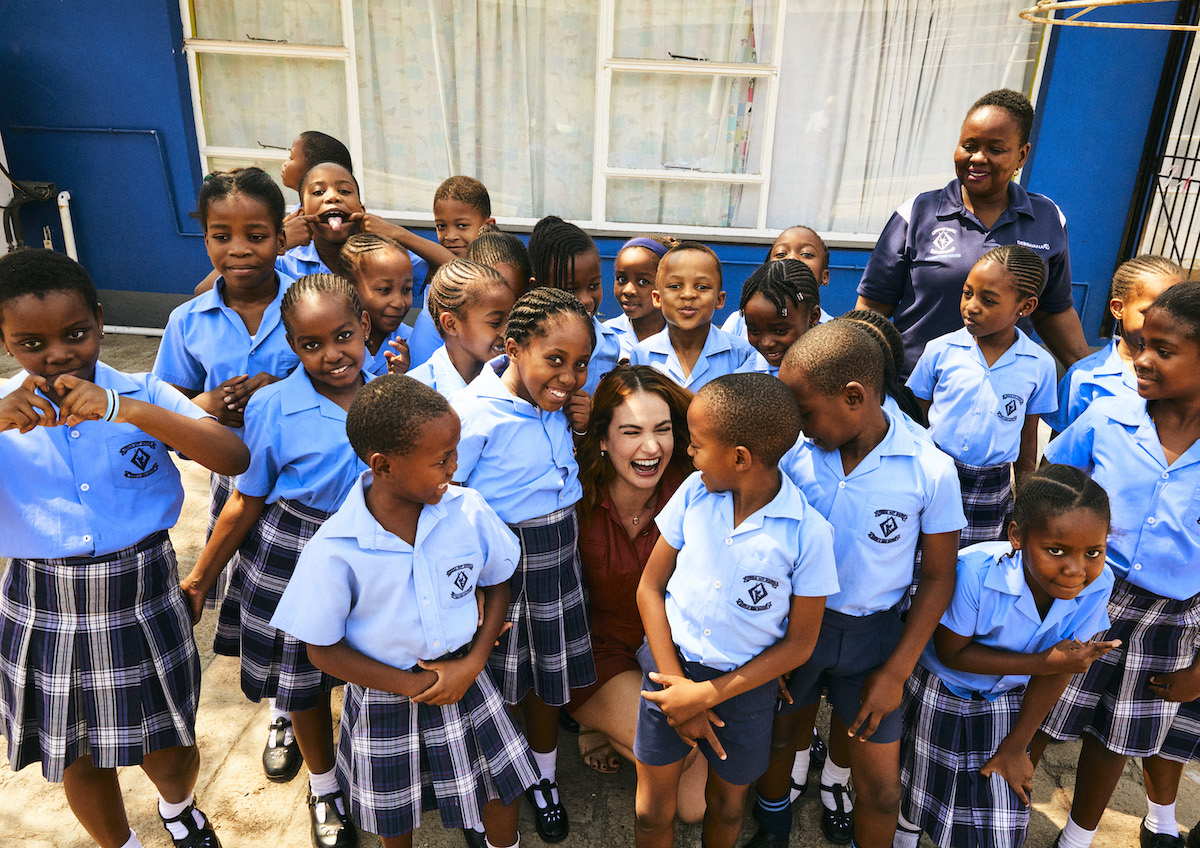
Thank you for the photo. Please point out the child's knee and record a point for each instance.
(881, 795)
(727, 807)
(651, 817)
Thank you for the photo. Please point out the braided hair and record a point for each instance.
(249, 182)
(553, 246)
(534, 309)
(317, 285)
(885, 332)
(1024, 267)
(1130, 277)
(493, 248)
(1055, 489)
(786, 283)
(356, 248)
(1183, 304)
(457, 284)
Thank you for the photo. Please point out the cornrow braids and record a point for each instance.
(356, 248)
(786, 283)
(1183, 303)
(249, 182)
(885, 333)
(1024, 266)
(1131, 276)
(1053, 490)
(467, 190)
(318, 285)
(493, 248)
(1014, 103)
(553, 246)
(534, 309)
(457, 284)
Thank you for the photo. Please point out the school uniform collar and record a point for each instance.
(620, 324)
(602, 329)
(298, 394)
(717, 341)
(354, 521)
(1023, 346)
(489, 385)
(1111, 363)
(1134, 416)
(307, 253)
(898, 441)
(788, 503)
(1006, 574)
(950, 204)
(106, 377)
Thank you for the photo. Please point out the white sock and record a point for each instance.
(169, 811)
(325, 784)
(831, 775)
(799, 771)
(276, 713)
(478, 827)
(547, 764)
(1160, 818)
(1074, 836)
(908, 835)
(132, 841)
(516, 844)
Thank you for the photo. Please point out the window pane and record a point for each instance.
(679, 202)
(290, 21)
(711, 30)
(271, 166)
(694, 123)
(252, 99)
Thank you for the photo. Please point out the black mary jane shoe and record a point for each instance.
(474, 838)
(281, 760)
(197, 836)
(550, 820)
(817, 752)
(838, 825)
(331, 829)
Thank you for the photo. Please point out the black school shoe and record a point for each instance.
(551, 820)
(474, 838)
(817, 752)
(331, 829)
(281, 761)
(1193, 837)
(838, 825)
(197, 836)
(1148, 839)
(766, 839)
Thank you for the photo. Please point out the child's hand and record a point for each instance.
(296, 231)
(239, 389)
(680, 699)
(24, 409)
(784, 695)
(398, 361)
(81, 400)
(454, 678)
(369, 222)
(1016, 769)
(194, 595)
(701, 727)
(1070, 656)
(579, 411)
(881, 695)
(1182, 685)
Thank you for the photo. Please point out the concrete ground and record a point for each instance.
(248, 810)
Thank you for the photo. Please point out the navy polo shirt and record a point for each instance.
(931, 243)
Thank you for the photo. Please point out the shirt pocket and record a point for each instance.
(137, 461)
(759, 588)
(457, 576)
(890, 520)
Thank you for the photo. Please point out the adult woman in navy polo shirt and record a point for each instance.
(917, 270)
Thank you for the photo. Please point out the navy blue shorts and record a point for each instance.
(746, 735)
(849, 649)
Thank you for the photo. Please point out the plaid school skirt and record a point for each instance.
(274, 663)
(96, 658)
(1110, 700)
(226, 642)
(987, 496)
(396, 758)
(549, 648)
(947, 740)
(1183, 739)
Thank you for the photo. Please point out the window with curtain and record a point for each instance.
(623, 114)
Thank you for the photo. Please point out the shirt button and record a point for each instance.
(87, 538)
(1150, 520)
(84, 487)
(707, 632)
(717, 585)
(841, 484)
(978, 411)
(1137, 566)
(729, 541)
(437, 644)
(1165, 475)
(427, 602)
(74, 434)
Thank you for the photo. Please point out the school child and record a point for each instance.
(634, 271)
(98, 668)
(691, 351)
(381, 273)
(506, 255)
(1019, 625)
(804, 244)
(779, 303)
(985, 386)
(1144, 454)
(1109, 371)
(565, 257)
(469, 304)
(516, 450)
(300, 470)
(309, 148)
(422, 727)
(332, 208)
(886, 493)
(898, 398)
(461, 208)
(224, 345)
(731, 598)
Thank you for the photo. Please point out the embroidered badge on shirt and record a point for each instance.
(889, 526)
(943, 243)
(139, 457)
(1010, 405)
(757, 592)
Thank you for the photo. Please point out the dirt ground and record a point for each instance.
(248, 810)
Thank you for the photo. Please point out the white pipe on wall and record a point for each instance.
(64, 214)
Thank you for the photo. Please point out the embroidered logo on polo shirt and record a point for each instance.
(889, 527)
(1010, 406)
(757, 592)
(139, 458)
(460, 578)
(1032, 246)
(943, 241)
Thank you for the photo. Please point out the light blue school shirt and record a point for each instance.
(904, 487)
(439, 373)
(604, 355)
(892, 408)
(394, 602)
(1155, 537)
(626, 337)
(722, 354)
(425, 340)
(91, 489)
(304, 259)
(978, 412)
(992, 604)
(731, 592)
(298, 445)
(519, 457)
(377, 364)
(1103, 374)
(206, 342)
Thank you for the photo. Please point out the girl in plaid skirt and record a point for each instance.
(1016, 629)
(301, 468)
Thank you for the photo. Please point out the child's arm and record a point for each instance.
(1011, 760)
(430, 251)
(454, 677)
(24, 409)
(351, 665)
(201, 439)
(237, 390)
(1069, 656)
(234, 523)
(398, 358)
(1026, 462)
(1182, 685)
(883, 689)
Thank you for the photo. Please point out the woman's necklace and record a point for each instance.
(637, 516)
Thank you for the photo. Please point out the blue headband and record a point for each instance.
(650, 244)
